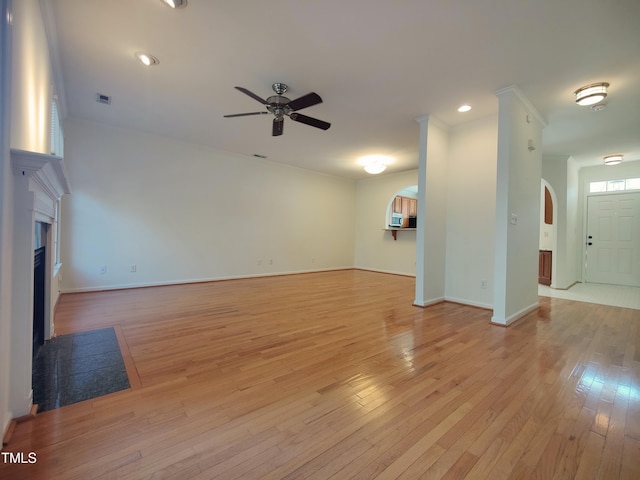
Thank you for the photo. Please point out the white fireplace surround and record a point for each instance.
(40, 180)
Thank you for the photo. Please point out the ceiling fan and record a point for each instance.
(280, 106)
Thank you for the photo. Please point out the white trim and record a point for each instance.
(427, 303)
(125, 286)
(525, 101)
(516, 316)
(468, 302)
(48, 171)
(390, 272)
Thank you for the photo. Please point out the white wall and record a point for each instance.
(32, 85)
(376, 249)
(471, 204)
(6, 215)
(182, 212)
(574, 236)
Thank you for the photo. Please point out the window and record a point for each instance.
(57, 139)
(633, 184)
(56, 234)
(614, 185)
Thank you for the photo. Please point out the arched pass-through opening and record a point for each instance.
(548, 258)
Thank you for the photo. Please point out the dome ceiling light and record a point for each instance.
(613, 159)
(147, 59)
(175, 3)
(375, 164)
(591, 94)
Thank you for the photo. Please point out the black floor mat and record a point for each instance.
(76, 367)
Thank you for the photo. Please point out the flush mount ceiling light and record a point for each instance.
(613, 159)
(147, 59)
(464, 108)
(591, 94)
(375, 164)
(175, 3)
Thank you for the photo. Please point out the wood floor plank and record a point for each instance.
(337, 375)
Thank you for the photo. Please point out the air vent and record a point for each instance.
(102, 98)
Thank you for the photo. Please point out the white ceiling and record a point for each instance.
(377, 64)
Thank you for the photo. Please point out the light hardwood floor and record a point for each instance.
(336, 375)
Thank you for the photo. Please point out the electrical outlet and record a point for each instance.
(271, 261)
(259, 262)
(133, 268)
(483, 284)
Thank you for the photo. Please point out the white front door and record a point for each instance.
(613, 239)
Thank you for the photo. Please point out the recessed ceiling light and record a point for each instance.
(613, 159)
(375, 164)
(591, 94)
(175, 3)
(464, 108)
(147, 59)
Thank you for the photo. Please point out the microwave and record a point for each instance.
(396, 220)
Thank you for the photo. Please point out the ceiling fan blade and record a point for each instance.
(278, 126)
(305, 101)
(245, 114)
(251, 94)
(314, 122)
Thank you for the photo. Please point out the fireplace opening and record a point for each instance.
(39, 285)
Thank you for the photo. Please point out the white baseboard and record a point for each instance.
(471, 303)
(512, 318)
(431, 301)
(390, 272)
(99, 288)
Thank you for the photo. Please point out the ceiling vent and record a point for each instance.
(102, 98)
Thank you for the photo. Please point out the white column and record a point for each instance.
(431, 221)
(6, 212)
(517, 230)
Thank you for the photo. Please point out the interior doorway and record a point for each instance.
(547, 259)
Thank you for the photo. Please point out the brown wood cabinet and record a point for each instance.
(397, 204)
(544, 267)
(407, 206)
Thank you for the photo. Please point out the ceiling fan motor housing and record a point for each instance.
(277, 104)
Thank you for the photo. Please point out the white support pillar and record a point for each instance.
(431, 218)
(517, 207)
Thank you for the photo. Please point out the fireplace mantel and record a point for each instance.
(47, 171)
(40, 180)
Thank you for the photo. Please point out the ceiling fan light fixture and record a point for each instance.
(591, 94)
(613, 159)
(375, 164)
(175, 3)
(147, 59)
